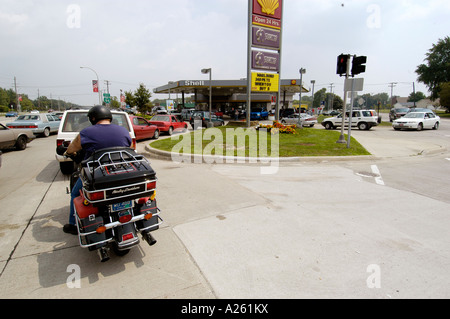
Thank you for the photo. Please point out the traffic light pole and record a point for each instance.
(342, 138)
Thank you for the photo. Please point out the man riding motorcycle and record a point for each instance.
(102, 134)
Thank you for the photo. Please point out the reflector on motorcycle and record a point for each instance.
(127, 236)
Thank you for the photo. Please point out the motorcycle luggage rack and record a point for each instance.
(115, 162)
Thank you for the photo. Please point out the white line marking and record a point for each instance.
(376, 171)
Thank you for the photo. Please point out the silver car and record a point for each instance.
(40, 124)
(17, 138)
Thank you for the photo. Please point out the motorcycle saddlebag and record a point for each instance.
(146, 208)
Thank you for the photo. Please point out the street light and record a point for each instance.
(98, 83)
(299, 124)
(206, 71)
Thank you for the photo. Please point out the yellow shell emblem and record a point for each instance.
(269, 6)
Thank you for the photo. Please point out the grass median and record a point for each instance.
(232, 141)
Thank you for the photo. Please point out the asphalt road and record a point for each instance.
(374, 227)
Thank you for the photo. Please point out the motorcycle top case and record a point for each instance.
(120, 172)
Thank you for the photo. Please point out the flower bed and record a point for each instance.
(278, 127)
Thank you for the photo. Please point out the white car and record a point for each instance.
(417, 121)
(307, 120)
(362, 119)
(73, 121)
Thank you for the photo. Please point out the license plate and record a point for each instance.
(121, 206)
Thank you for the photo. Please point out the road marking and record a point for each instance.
(376, 171)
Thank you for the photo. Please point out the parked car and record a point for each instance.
(168, 123)
(40, 124)
(57, 114)
(11, 114)
(186, 114)
(397, 113)
(306, 119)
(18, 138)
(417, 121)
(259, 113)
(362, 119)
(73, 121)
(143, 129)
(203, 117)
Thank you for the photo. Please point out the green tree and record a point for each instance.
(142, 98)
(445, 95)
(437, 67)
(416, 97)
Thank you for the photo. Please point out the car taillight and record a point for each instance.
(94, 196)
(59, 142)
(133, 143)
(151, 185)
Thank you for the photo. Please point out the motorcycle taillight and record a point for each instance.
(151, 185)
(94, 196)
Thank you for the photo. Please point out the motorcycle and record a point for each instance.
(117, 200)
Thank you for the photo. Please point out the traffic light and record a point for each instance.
(342, 64)
(358, 65)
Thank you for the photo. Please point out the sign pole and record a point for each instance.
(249, 63)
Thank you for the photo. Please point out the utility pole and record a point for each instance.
(332, 96)
(19, 109)
(392, 85)
(39, 101)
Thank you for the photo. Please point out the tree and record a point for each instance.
(416, 97)
(445, 95)
(437, 68)
(142, 98)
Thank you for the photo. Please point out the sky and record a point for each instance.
(126, 42)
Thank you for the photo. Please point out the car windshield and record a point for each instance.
(405, 110)
(161, 118)
(414, 115)
(77, 121)
(28, 118)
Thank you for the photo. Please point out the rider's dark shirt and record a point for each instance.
(101, 136)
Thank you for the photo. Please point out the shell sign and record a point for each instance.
(268, 8)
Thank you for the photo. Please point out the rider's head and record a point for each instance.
(98, 113)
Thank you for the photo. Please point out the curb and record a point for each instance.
(216, 159)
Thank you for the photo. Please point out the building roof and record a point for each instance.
(221, 87)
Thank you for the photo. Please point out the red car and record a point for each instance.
(143, 129)
(168, 123)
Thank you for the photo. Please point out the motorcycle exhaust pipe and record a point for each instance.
(149, 238)
(103, 253)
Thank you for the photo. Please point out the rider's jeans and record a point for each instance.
(75, 193)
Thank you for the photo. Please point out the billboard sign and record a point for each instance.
(265, 82)
(265, 38)
(268, 61)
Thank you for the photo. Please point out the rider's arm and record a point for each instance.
(75, 146)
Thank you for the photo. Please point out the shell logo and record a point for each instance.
(269, 6)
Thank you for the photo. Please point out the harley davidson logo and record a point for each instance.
(125, 191)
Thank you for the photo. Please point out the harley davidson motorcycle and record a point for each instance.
(117, 201)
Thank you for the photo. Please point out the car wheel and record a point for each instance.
(283, 122)
(363, 126)
(46, 132)
(170, 131)
(21, 143)
(436, 126)
(329, 126)
(420, 127)
(156, 135)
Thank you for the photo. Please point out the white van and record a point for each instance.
(73, 121)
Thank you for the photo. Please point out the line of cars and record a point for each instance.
(408, 119)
